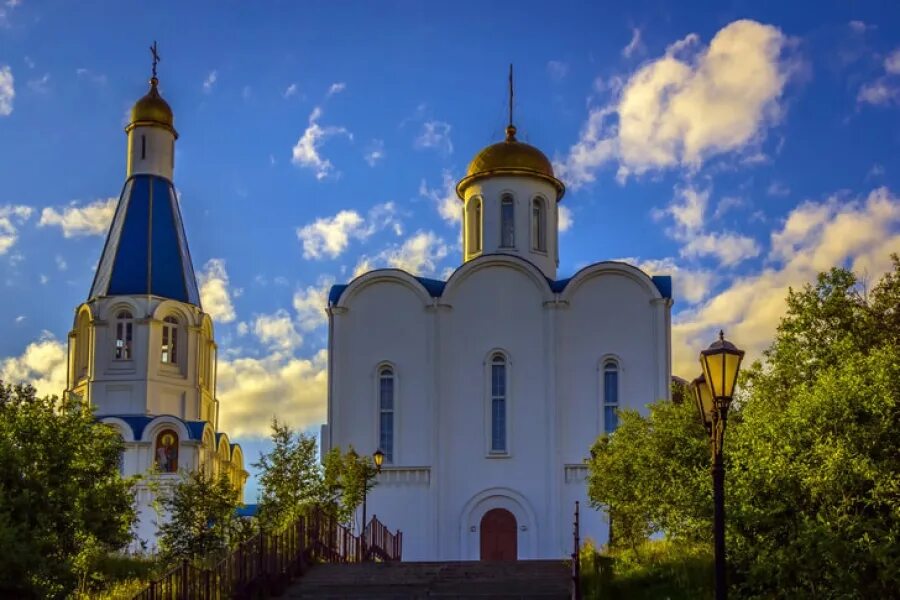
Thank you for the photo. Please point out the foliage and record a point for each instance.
(291, 480)
(203, 523)
(348, 478)
(119, 576)
(813, 468)
(63, 503)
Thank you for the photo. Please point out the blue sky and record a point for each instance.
(740, 147)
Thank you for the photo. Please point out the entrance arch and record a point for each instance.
(472, 519)
(499, 535)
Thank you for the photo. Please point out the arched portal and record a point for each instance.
(499, 535)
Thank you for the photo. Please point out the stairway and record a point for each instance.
(525, 579)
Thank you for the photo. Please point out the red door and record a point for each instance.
(498, 535)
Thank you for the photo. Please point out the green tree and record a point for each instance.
(203, 523)
(290, 480)
(348, 478)
(63, 503)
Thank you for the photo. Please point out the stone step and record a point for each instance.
(465, 579)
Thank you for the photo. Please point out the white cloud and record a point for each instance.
(306, 151)
(435, 134)
(688, 209)
(277, 331)
(729, 248)
(776, 188)
(210, 81)
(816, 236)
(290, 91)
(336, 88)
(565, 218)
(728, 203)
(7, 91)
(691, 285)
(689, 105)
(215, 292)
(448, 204)
(253, 390)
(330, 236)
(11, 217)
(419, 255)
(91, 76)
(886, 89)
(374, 153)
(892, 62)
(557, 70)
(77, 221)
(310, 304)
(19, 320)
(42, 364)
(635, 45)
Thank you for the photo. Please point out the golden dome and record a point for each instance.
(510, 157)
(152, 109)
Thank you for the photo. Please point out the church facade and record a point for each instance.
(142, 351)
(486, 391)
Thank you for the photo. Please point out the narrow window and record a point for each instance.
(473, 226)
(170, 340)
(507, 222)
(143, 147)
(610, 396)
(167, 451)
(498, 403)
(82, 341)
(124, 330)
(386, 413)
(538, 226)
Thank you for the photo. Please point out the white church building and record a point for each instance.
(142, 351)
(486, 391)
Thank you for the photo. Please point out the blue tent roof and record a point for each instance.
(146, 251)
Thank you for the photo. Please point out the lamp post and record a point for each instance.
(713, 391)
(378, 459)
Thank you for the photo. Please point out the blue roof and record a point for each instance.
(139, 422)
(146, 251)
(247, 510)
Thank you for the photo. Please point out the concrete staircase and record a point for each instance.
(542, 579)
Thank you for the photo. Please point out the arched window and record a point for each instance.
(124, 331)
(82, 345)
(507, 222)
(538, 225)
(610, 395)
(169, 352)
(167, 451)
(473, 226)
(498, 403)
(386, 413)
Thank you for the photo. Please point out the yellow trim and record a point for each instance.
(511, 171)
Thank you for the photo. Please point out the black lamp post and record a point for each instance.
(713, 391)
(378, 459)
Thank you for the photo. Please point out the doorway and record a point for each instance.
(499, 535)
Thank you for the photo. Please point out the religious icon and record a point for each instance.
(167, 452)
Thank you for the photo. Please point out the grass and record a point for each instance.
(655, 570)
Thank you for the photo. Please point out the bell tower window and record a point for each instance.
(473, 226)
(538, 225)
(143, 147)
(124, 333)
(507, 222)
(169, 350)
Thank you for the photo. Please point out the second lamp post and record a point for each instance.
(378, 459)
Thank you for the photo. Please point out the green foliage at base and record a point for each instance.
(119, 577)
(652, 570)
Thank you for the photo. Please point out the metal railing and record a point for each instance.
(576, 557)
(265, 563)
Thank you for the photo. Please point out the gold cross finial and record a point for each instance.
(156, 58)
(510, 128)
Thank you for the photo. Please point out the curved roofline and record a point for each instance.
(397, 275)
(611, 266)
(485, 260)
(510, 171)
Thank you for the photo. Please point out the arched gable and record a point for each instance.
(606, 268)
(124, 429)
(381, 276)
(237, 457)
(165, 422)
(84, 309)
(111, 309)
(515, 263)
(171, 308)
(224, 447)
(206, 325)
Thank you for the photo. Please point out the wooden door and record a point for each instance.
(499, 535)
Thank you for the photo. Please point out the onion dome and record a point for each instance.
(152, 110)
(510, 157)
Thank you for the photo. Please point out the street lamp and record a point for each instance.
(713, 391)
(378, 459)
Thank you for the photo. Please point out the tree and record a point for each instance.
(63, 502)
(812, 452)
(348, 478)
(203, 523)
(291, 480)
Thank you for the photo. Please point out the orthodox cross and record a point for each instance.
(156, 58)
(510, 95)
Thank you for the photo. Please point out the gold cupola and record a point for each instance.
(510, 157)
(152, 109)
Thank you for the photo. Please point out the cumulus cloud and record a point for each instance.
(444, 198)
(691, 285)
(689, 105)
(78, 221)
(565, 218)
(306, 151)
(253, 390)
(11, 217)
(310, 304)
(7, 91)
(857, 233)
(886, 89)
(42, 364)
(419, 255)
(210, 81)
(330, 236)
(277, 331)
(215, 291)
(435, 134)
(729, 248)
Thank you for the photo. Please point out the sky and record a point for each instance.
(740, 147)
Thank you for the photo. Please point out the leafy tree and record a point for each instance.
(813, 484)
(203, 522)
(291, 479)
(348, 478)
(63, 503)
